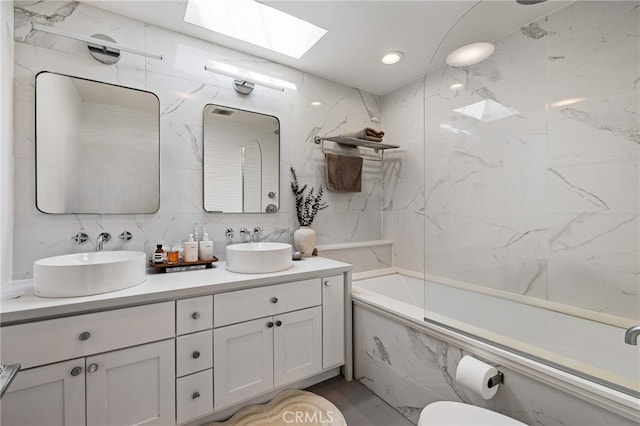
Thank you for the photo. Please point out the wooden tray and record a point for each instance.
(162, 267)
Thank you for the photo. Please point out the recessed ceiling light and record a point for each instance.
(255, 23)
(392, 58)
(470, 54)
(456, 86)
(316, 104)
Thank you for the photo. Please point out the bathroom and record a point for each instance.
(538, 204)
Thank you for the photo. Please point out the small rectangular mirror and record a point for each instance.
(241, 161)
(97, 147)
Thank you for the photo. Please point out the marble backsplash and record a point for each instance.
(183, 87)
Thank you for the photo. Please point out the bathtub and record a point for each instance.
(532, 337)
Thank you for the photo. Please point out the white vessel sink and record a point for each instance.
(82, 274)
(259, 258)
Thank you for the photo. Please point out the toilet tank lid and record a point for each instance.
(450, 413)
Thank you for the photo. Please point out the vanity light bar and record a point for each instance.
(222, 71)
(92, 40)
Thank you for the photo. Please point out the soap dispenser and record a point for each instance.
(190, 250)
(206, 246)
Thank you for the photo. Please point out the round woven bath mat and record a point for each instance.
(289, 407)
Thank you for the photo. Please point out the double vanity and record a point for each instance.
(177, 348)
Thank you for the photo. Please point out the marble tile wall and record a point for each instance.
(544, 203)
(368, 258)
(183, 88)
(6, 135)
(410, 369)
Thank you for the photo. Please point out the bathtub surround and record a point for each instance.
(364, 255)
(410, 369)
(184, 87)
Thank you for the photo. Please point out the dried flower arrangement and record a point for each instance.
(307, 207)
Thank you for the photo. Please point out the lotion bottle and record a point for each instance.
(190, 250)
(206, 246)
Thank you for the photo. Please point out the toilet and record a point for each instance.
(449, 413)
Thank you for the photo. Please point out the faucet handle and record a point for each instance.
(257, 231)
(230, 233)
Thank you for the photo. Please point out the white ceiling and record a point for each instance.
(359, 32)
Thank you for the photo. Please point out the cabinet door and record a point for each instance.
(132, 386)
(242, 361)
(297, 345)
(49, 396)
(333, 321)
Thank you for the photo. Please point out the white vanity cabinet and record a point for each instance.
(194, 358)
(260, 352)
(188, 348)
(124, 386)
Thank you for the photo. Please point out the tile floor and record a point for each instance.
(359, 405)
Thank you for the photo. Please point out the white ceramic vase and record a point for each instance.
(304, 240)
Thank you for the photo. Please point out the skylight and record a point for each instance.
(255, 23)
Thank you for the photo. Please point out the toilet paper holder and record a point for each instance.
(496, 380)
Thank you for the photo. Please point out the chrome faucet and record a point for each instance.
(102, 238)
(631, 335)
(253, 235)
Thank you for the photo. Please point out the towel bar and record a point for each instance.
(378, 147)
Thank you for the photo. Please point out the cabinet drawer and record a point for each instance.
(194, 396)
(195, 314)
(194, 352)
(55, 340)
(243, 305)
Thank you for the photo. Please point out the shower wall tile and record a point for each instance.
(184, 88)
(362, 258)
(545, 202)
(403, 175)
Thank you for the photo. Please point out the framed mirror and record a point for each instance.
(97, 147)
(241, 161)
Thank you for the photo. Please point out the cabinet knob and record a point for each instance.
(195, 355)
(76, 371)
(327, 283)
(270, 324)
(195, 395)
(279, 323)
(84, 336)
(274, 300)
(195, 315)
(92, 368)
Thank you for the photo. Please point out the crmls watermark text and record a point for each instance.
(305, 417)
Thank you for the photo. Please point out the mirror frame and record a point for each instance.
(204, 177)
(130, 211)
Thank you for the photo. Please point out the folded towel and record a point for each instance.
(368, 134)
(344, 173)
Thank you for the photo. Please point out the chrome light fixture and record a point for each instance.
(244, 80)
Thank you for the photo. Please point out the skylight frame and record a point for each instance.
(255, 23)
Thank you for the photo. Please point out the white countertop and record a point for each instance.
(160, 287)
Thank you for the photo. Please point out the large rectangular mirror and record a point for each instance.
(97, 147)
(241, 161)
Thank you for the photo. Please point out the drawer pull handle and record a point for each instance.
(278, 323)
(270, 324)
(76, 371)
(84, 336)
(195, 395)
(92, 368)
(274, 300)
(195, 315)
(195, 355)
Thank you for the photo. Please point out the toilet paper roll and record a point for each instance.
(474, 375)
